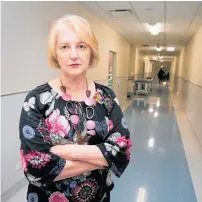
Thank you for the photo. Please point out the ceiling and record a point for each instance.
(179, 20)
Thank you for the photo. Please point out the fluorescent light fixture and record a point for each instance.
(159, 49)
(155, 58)
(154, 29)
(170, 48)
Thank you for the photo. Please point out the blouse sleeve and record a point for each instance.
(117, 147)
(39, 165)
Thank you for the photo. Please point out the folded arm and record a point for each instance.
(37, 160)
(114, 152)
(86, 153)
(75, 168)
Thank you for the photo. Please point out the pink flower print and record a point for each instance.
(23, 161)
(38, 159)
(85, 191)
(129, 142)
(128, 149)
(57, 197)
(121, 141)
(57, 124)
(111, 125)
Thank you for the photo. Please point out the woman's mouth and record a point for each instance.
(74, 65)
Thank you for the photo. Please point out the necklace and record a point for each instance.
(75, 115)
(67, 97)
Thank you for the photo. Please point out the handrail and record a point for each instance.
(188, 81)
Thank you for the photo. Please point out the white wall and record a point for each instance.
(139, 62)
(190, 63)
(187, 83)
(193, 59)
(25, 28)
(181, 64)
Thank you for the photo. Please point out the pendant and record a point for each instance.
(66, 97)
(89, 112)
(89, 102)
(74, 119)
(90, 125)
(63, 89)
(88, 93)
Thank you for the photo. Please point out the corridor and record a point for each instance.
(148, 52)
(159, 170)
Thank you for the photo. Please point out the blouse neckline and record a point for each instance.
(76, 101)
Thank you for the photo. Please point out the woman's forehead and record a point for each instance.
(68, 34)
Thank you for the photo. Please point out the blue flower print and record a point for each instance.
(28, 132)
(33, 197)
(124, 124)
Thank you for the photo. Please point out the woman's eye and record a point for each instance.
(64, 47)
(82, 46)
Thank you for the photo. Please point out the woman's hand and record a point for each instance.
(55, 149)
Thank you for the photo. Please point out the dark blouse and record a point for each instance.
(45, 122)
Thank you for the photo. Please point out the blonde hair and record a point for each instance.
(84, 32)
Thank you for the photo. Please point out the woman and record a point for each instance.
(72, 130)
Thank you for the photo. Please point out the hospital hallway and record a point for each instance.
(159, 170)
(164, 165)
(149, 53)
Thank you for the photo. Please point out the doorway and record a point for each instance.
(111, 69)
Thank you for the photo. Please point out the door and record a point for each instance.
(111, 69)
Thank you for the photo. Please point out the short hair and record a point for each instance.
(84, 32)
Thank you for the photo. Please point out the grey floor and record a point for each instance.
(158, 171)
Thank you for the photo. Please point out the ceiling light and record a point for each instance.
(160, 57)
(161, 65)
(155, 58)
(154, 29)
(158, 49)
(170, 48)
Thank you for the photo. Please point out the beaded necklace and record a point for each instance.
(75, 115)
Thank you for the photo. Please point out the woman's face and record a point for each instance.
(73, 55)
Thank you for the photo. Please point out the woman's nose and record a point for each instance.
(73, 53)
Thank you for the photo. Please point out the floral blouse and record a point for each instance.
(45, 122)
